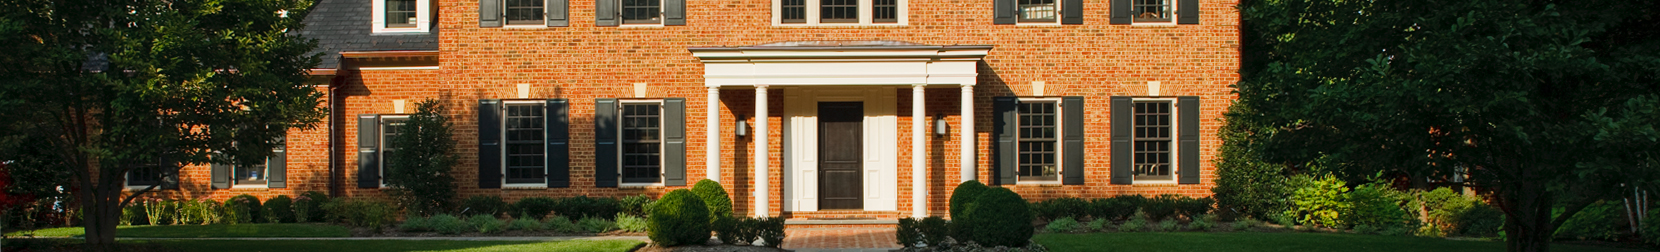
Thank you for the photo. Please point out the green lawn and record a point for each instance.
(398, 245)
(204, 231)
(1253, 241)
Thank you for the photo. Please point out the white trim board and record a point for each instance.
(881, 147)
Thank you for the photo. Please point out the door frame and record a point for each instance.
(800, 143)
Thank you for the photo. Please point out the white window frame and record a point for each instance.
(1058, 16)
(423, 17)
(866, 14)
(1060, 137)
(503, 158)
(267, 173)
(624, 23)
(380, 137)
(661, 148)
(1175, 142)
(504, 21)
(1174, 15)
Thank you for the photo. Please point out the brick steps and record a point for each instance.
(842, 219)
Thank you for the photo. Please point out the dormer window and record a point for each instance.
(838, 12)
(402, 16)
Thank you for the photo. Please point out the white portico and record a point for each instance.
(840, 146)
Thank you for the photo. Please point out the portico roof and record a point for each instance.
(840, 62)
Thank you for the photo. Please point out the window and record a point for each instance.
(390, 127)
(1153, 140)
(1038, 140)
(525, 135)
(642, 142)
(146, 176)
(1041, 11)
(259, 175)
(642, 11)
(401, 16)
(1151, 11)
(838, 12)
(525, 12)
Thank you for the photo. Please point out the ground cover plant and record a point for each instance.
(203, 231)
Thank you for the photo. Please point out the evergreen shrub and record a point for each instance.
(1000, 217)
(679, 218)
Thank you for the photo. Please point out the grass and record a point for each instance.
(1253, 241)
(399, 245)
(203, 231)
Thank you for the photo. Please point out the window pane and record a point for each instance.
(838, 11)
(884, 11)
(400, 13)
(1152, 141)
(249, 175)
(525, 12)
(1036, 141)
(641, 143)
(1037, 10)
(390, 129)
(1151, 11)
(526, 155)
(641, 11)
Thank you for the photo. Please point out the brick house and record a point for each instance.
(801, 108)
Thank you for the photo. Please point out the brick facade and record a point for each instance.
(583, 62)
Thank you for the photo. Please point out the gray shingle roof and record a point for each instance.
(344, 26)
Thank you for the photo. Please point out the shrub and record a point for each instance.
(1364, 229)
(714, 197)
(159, 211)
(1057, 208)
(449, 224)
(1202, 222)
(630, 223)
(535, 207)
(770, 231)
(1097, 225)
(1194, 207)
(1000, 218)
(362, 212)
(1322, 203)
(1285, 220)
(132, 214)
(1245, 183)
(1485, 220)
(1378, 206)
(418, 174)
(187, 213)
(635, 205)
(1136, 222)
(561, 224)
(962, 198)
(1650, 227)
(1244, 224)
(1599, 221)
(490, 205)
(1062, 225)
(909, 233)
(1167, 226)
(242, 209)
(487, 224)
(279, 209)
(1161, 207)
(679, 218)
(583, 206)
(524, 223)
(309, 206)
(600, 225)
(730, 230)
(416, 224)
(749, 230)
(1115, 208)
(934, 229)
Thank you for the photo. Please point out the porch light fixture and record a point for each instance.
(742, 130)
(939, 126)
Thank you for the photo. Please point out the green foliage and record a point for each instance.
(908, 233)
(490, 205)
(1244, 224)
(1481, 220)
(309, 206)
(630, 223)
(418, 174)
(714, 197)
(1167, 226)
(1451, 213)
(535, 207)
(1116, 208)
(362, 212)
(962, 198)
(561, 224)
(1136, 222)
(524, 223)
(769, 230)
(487, 224)
(1161, 207)
(201, 212)
(132, 215)
(1062, 225)
(583, 206)
(1600, 221)
(242, 209)
(1098, 225)
(1322, 203)
(1202, 222)
(1194, 207)
(597, 225)
(449, 224)
(159, 211)
(934, 229)
(749, 230)
(635, 205)
(1245, 183)
(1057, 208)
(1377, 206)
(416, 224)
(1649, 229)
(679, 218)
(728, 229)
(279, 209)
(1000, 218)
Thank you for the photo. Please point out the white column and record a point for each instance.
(966, 138)
(711, 141)
(919, 172)
(760, 150)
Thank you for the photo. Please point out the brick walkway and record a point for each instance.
(811, 239)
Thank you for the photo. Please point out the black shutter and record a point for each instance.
(1187, 12)
(605, 13)
(1072, 11)
(1120, 12)
(674, 12)
(489, 143)
(1187, 147)
(1003, 11)
(368, 153)
(559, 139)
(1123, 152)
(674, 139)
(489, 13)
(559, 12)
(1004, 131)
(1072, 140)
(605, 142)
(221, 173)
(276, 167)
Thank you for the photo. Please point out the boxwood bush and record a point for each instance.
(490, 205)
(714, 197)
(585, 207)
(1115, 208)
(728, 229)
(1000, 218)
(962, 198)
(1191, 208)
(1161, 207)
(309, 206)
(1054, 209)
(769, 230)
(242, 209)
(279, 209)
(535, 207)
(679, 218)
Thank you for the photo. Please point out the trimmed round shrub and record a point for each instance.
(242, 209)
(1000, 218)
(962, 198)
(713, 197)
(309, 206)
(279, 209)
(679, 218)
(535, 207)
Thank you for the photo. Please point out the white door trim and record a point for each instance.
(881, 151)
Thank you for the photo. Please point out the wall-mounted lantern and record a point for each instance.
(939, 125)
(742, 130)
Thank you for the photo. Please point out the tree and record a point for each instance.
(1539, 104)
(99, 88)
(419, 171)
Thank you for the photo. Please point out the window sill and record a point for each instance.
(1153, 183)
(640, 26)
(526, 27)
(1154, 25)
(640, 185)
(249, 187)
(1039, 184)
(1045, 24)
(524, 186)
(838, 26)
(407, 31)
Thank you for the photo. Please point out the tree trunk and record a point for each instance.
(100, 214)
(1528, 226)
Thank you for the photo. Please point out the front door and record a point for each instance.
(840, 155)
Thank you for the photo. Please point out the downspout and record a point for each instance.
(334, 141)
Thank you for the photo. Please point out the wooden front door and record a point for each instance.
(840, 155)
